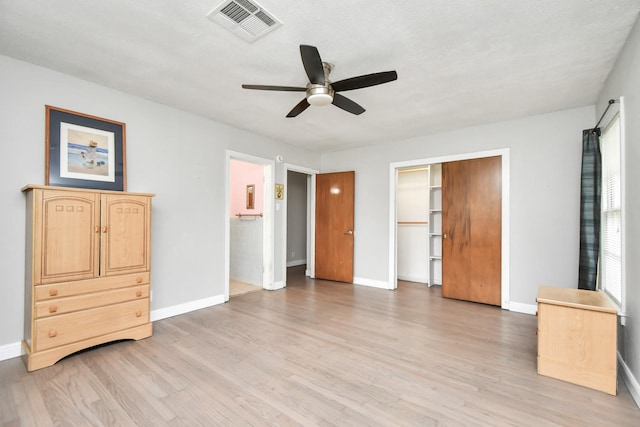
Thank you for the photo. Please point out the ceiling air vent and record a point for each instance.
(246, 19)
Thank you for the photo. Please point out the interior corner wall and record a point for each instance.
(545, 152)
(624, 80)
(177, 155)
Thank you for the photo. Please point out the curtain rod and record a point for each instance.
(611, 102)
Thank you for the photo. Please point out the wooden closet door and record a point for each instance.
(472, 230)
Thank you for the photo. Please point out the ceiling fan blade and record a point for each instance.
(312, 64)
(346, 104)
(302, 105)
(280, 88)
(364, 81)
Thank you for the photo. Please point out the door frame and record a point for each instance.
(268, 229)
(504, 153)
(311, 219)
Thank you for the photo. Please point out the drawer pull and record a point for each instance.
(53, 334)
(53, 309)
(139, 280)
(139, 294)
(53, 292)
(138, 313)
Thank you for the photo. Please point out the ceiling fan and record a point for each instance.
(320, 90)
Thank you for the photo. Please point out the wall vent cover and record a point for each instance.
(246, 19)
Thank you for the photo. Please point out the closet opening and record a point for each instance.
(435, 235)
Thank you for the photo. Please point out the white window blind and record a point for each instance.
(611, 245)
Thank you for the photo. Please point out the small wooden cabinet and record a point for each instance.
(577, 337)
(87, 270)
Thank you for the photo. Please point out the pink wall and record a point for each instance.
(241, 175)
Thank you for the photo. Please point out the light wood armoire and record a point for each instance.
(87, 270)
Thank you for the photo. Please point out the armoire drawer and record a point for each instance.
(57, 306)
(78, 287)
(71, 327)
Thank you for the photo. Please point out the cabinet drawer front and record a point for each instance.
(68, 328)
(79, 287)
(82, 302)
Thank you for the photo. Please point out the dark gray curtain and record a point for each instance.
(590, 190)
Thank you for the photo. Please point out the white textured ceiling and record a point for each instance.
(459, 62)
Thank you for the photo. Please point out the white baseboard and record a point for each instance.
(10, 351)
(519, 307)
(370, 282)
(175, 310)
(630, 381)
(296, 262)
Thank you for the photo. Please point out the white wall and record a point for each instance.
(624, 80)
(245, 250)
(177, 155)
(545, 181)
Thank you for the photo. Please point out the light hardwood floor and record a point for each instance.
(316, 353)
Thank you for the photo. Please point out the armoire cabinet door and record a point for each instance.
(125, 234)
(66, 236)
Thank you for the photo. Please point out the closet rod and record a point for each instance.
(611, 102)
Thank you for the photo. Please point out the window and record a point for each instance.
(611, 219)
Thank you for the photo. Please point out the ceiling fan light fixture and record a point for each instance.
(320, 91)
(319, 95)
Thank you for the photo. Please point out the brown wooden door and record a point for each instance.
(472, 230)
(334, 226)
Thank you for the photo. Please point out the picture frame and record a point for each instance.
(279, 191)
(84, 151)
(251, 196)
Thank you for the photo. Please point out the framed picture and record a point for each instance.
(84, 151)
(279, 191)
(251, 197)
